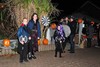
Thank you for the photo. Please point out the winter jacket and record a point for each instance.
(23, 31)
(31, 26)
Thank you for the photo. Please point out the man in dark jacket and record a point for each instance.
(90, 32)
(72, 24)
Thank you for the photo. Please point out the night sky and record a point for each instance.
(69, 6)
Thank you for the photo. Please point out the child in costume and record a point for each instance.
(59, 37)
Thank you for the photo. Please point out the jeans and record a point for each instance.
(72, 44)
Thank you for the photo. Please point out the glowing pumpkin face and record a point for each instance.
(53, 26)
(80, 20)
(6, 42)
(45, 41)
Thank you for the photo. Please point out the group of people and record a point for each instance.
(65, 32)
(61, 38)
(28, 35)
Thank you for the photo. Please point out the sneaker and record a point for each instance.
(71, 52)
(30, 58)
(33, 57)
(60, 56)
(26, 60)
(21, 61)
(68, 49)
(55, 55)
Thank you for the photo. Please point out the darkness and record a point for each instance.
(67, 7)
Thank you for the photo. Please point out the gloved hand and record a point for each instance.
(22, 42)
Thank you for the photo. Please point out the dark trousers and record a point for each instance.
(23, 52)
(72, 44)
(98, 39)
(30, 49)
(64, 43)
(89, 42)
(58, 48)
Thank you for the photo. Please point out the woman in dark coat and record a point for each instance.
(34, 26)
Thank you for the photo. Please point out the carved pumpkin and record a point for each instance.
(53, 26)
(80, 20)
(6, 42)
(45, 41)
(38, 41)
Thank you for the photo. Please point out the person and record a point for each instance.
(90, 32)
(72, 24)
(67, 32)
(34, 26)
(66, 20)
(59, 37)
(98, 34)
(23, 37)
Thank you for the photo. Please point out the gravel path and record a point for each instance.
(87, 57)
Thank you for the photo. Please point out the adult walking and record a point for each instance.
(90, 32)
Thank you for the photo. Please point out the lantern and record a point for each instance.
(53, 25)
(45, 41)
(6, 42)
(80, 20)
(38, 41)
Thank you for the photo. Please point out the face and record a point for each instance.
(35, 17)
(25, 21)
(58, 27)
(71, 20)
(61, 20)
(66, 18)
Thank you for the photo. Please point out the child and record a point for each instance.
(23, 37)
(59, 37)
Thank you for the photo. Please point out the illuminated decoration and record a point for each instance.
(80, 20)
(6, 42)
(45, 20)
(45, 41)
(53, 26)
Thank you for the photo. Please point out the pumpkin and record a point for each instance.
(80, 20)
(6, 42)
(38, 41)
(53, 26)
(45, 41)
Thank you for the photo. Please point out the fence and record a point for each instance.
(12, 49)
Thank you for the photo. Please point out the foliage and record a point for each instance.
(16, 10)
